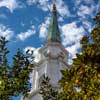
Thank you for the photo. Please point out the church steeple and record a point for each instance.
(53, 31)
(49, 61)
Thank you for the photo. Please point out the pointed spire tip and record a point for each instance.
(54, 7)
(53, 32)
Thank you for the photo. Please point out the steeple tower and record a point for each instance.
(53, 31)
(52, 58)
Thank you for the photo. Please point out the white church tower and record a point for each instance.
(53, 57)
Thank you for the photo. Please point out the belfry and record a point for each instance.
(53, 58)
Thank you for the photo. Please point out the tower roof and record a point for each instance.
(53, 31)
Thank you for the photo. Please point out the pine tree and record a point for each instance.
(47, 91)
(4, 70)
(14, 80)
(82, 80)
(20, 73)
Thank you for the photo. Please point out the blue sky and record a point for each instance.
(25, 22)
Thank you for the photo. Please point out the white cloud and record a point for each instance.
(46, 6)
(74, 49)
(89, 1)
(87, 25)
(10, 4)
(44, 28)
(77, 2)
(62, 8)
(60, 19)
(43, 4)
(24, 35)
(43, 31)
(85, 10)
(87, 7)
(30, 2)
(3, 16)
(98, 7)
(6, 32)
(22, 24)
(71, 33)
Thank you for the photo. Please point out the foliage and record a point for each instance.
(82, 81)
(4, 69)
(13, 79)
(47, 91)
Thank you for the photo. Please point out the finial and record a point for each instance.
(54, 5)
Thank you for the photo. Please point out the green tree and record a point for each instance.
(4, 70)
(82, 80)
(47, 91)
(13, 79)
